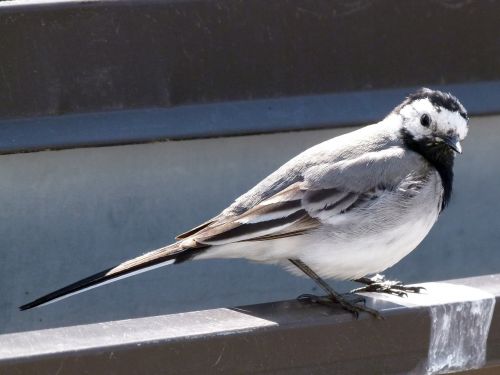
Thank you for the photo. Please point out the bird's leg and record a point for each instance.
(379, 284)
(332, 296)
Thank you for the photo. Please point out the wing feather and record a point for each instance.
(195, 230)
(324, 191)
(278, 216)
(292, 212)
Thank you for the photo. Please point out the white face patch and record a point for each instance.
(443, 121)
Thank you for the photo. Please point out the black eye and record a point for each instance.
(425, 120)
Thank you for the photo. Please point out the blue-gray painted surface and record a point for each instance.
(223, 119)
(71, 213)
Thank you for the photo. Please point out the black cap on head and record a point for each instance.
(438, 99)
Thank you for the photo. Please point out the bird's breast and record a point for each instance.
(374, 238)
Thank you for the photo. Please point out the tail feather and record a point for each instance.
(154, 259)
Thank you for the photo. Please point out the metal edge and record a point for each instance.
(223, 119)
(284, 336)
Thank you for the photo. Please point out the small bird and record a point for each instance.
(346, 208)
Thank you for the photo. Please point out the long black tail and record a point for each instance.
(157, 258)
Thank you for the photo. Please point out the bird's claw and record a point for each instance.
(379, 284)
(347, 304)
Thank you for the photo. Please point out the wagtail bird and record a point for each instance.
(346, 208)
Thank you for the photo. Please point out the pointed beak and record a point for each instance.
(453, 143)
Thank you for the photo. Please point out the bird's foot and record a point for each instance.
(347, 304)
(379, 284)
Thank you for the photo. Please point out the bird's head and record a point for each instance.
(434, 120)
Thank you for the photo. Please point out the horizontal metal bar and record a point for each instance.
(86, 56)
(163, 62)
(222, 119)
(446, 328)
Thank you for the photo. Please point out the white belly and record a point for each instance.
(367, 255)
(352, 245)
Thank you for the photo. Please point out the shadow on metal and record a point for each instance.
(446, 329)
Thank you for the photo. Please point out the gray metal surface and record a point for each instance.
(223, 119)
(282, 337)
(68, 214)
(73, 57)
